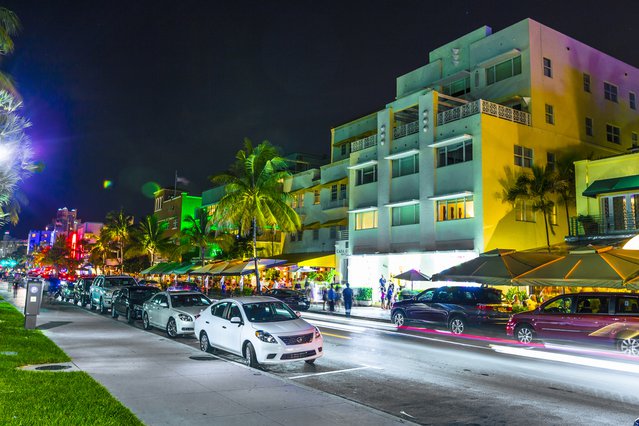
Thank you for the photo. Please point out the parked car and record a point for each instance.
(293, 298)
(66, 290)
(103, 288)
(596, 318)
(82, 291)
(455, 307)
(263, 330)
(173, 311)
(128, 301)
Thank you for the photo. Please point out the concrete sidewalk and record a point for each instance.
(156, 378)
(359, 312)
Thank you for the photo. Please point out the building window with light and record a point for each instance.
(587, 83)
(366, 220)
(455, 153)
(405, 215)
(316, 196)
(524, 211)
(613, 134)
(294, 201)
(588, 126)
(455, 209)
(366, 175)
(550, 114)
(610, 92)
(523, 156)
(405, 166)
(547, 67)
(503, 70)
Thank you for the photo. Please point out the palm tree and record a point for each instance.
(118, 227)
(9, 27)
(536, 187)
(148, 238)
(566, 182)
(254, 195)
(101, 249)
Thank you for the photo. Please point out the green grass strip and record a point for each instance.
(47, 398)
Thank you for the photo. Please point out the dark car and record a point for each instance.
(66, 290)
(455, 307)
(128, 301)
(596, 318)
(295, 299)
(81, 291)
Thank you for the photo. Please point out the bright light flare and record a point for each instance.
(106, 184)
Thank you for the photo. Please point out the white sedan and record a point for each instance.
(173, 311)
(263, 330)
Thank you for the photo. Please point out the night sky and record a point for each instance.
(131, 91)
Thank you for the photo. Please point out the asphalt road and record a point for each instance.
(431, 377)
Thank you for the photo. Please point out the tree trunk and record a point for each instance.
(257, 272)
(547, 235)
(202, 249)
(567, 215)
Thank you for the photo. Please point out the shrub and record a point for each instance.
(364, 293)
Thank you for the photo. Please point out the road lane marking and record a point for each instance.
(336, 335)
(364, 367)
(338, 326)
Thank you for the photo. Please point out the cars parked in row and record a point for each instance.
(82, 291)
(174, 311)
(610, 319)
(103, 288)
(263, 330)
(128, 301)
(455, 307)
(293, 298)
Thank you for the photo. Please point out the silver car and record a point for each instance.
(174, 311)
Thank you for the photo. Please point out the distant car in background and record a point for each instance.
(128, 301)
(293, 298)
(174, 311)
(183, 286)
(82, 291)
(66, 290)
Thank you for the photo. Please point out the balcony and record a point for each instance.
(364, 143)
(482, 106)
(405, 129)
(335, 204)
(601, 226)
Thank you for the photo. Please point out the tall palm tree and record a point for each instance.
(537, 187)
(9, 27)
(254, 194)
(148, 238)
(198, 232)
(118, 227)
(101, 249)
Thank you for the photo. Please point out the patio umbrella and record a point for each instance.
(412, 275)
(245, 267)
(593, 267)
(306, 269)
(210, 269)
(496, 267)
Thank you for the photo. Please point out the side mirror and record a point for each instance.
(236, 320)
(298, 314)
(164, 305)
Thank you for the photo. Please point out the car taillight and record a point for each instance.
(509, 308)
(485, 308)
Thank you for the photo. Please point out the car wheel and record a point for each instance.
(524, 334)
(171, 328)
(310, 361)
(146, 324)
(129, 316)
(629, 346)
(457, 325)
(205, 345)
(114, 314)
(249, 356)
(399, 318)
(101, 307)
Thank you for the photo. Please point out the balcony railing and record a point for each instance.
(482, 106)
(405, 129)
(335, 204)
(364, 143)
(342, 235)
(597, 226)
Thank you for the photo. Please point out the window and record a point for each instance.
(455, 153)
(405, 166)
(294, 201)
(293, 237)
(158, 203)
(345, 149)
(503, 70)
(613, 134)
(551, 161)
(457, 88)
(523, 156)
(552, 217)
(233, 312)
(334, 192)
(627, 305)
(405, 215)
(610, 92)
(315, 234)
(586, 82)
(316, 196)
(547, 67)
(218, 310)
(592, 304)
(366, 175)
(588, 126)
(524, 211)
(633, 100)
(550, 114)
(333, 233)
(366, 220)
(563, 305)
(342, 191)
(427, 296)
(300, 200)
(300, 235)
(459, 208)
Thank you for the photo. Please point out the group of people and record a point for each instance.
(387, 293)
(332, 296)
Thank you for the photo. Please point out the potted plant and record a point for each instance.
(364, 296)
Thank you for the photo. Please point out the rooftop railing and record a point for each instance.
(364, 143)
(482, 106)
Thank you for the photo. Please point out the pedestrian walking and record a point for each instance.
(382, 290)
(389, 295)
(15, 289)
(347, 294)
(331, 299)
(324, 297)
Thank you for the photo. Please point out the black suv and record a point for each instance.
(128, 301)
(454, 307)
(293, 298)
(81, 291)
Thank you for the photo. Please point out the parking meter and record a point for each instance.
(32, 303)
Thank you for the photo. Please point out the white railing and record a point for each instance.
(484, 107)
(342, 235)
(364, 143)
(405, 129)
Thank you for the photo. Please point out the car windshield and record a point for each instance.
(268, 312)
(184, 300)
(118, 282)
(490, 296)
(142, 293)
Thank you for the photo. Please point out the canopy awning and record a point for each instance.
(312, 259)
(605, 186)
(146, 271)
(335, 222)
(160, 268)
(211, 268)
(313, 225)
(245, 267)
(183, 268)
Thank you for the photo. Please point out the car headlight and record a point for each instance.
(185, 317)
(265, 337)
(317, 333)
